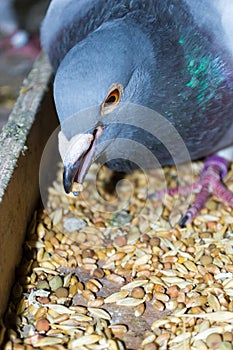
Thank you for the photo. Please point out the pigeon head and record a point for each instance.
(97, 77)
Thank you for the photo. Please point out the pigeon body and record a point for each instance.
(174, 57)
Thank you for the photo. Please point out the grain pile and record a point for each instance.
(127, 278)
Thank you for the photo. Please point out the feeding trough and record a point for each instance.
(21, 145)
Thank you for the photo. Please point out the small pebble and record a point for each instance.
(211, 205)
(88, 253)
(43, 300)
(138, 292)
(120, 241)
(43, 284)
(225, 345)
(121, 218)
(61, 292)
(213, 341)
(74, 224)
(42, 325)
(55, 283)
(27, 331)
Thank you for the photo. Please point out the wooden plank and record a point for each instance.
(21, 144)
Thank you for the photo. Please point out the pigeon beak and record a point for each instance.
(78, 157)
(69, 175)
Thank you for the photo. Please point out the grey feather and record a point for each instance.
(174, 57)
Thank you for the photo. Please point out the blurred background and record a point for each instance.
(19, 46)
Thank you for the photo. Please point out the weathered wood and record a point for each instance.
(21, 144)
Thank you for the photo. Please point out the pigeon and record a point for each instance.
(116, 62)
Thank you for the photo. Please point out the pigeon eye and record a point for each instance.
(112, 98)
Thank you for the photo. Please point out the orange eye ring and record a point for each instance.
(113, 98)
